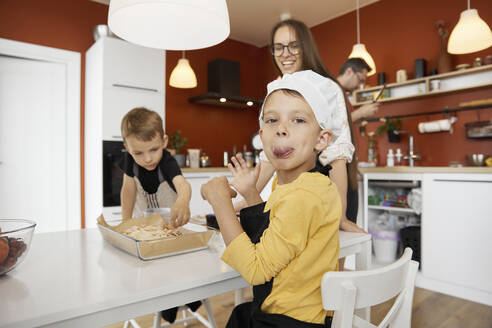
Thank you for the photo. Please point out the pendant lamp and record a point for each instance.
(170, 24)
(359, 50)
(182, 75)
(471, 34)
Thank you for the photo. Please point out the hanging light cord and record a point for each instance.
(358, 27)
(468, 4)
(183, 52)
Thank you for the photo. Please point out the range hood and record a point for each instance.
(223, 87)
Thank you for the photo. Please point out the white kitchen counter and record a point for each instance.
(379, 169)
(205, 169)
(426, 169)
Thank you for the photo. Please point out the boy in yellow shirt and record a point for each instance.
(284, 246)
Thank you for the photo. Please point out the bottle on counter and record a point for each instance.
(248, 157)
(398, 157)
(226, 159)
(390, 158)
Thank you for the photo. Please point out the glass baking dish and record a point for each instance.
(194, 237)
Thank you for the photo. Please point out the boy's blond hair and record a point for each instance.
(142, 123)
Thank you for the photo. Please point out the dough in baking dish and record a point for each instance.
(149, 232)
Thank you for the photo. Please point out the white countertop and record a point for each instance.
(426, 169)
(205, 169)
(382, 169)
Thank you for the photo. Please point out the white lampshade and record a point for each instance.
(470, 34)
(359, 51)
(170, 24)
(182, 75)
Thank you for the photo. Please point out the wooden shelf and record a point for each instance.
(390, 209)
(471, 78)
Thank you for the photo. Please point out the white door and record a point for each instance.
(33, 142)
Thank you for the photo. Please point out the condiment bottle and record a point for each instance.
(390, 158)
(398, 156)
(248, 157)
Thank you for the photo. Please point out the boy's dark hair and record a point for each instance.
(143, 123)
(356, 64)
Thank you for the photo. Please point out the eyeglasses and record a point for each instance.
(277, 49)
(361, 77)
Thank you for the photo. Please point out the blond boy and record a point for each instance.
(152, 177)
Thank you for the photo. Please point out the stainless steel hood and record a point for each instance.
(223, 87)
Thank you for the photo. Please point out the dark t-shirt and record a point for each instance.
(150, 179)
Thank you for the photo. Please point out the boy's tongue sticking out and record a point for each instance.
(282, 151)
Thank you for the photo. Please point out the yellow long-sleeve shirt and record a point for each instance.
(300, 244)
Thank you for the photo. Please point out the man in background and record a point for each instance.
(352, 76)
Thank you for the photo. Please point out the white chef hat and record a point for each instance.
(322, 94)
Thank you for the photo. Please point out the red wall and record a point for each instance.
(396, 32)
(215, 129)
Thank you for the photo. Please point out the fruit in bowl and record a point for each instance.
(15, 238)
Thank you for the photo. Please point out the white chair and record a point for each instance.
(185, 311)
(346, 292)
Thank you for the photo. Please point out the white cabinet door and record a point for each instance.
(130, 65)
(457, 230)
(198, 206)
(118, 101)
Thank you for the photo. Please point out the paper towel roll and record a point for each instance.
(436, 126)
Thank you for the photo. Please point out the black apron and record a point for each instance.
(249, 314)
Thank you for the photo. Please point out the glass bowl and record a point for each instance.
(15, 238)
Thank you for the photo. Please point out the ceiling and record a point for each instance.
(252, 20)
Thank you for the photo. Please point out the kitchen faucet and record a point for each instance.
(411, 156)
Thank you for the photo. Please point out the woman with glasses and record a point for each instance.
(293, 49)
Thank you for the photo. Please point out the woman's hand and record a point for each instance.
(244, 180)
(180, 214)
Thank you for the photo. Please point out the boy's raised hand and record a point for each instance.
(217, 189)
(244, 180)
(180, 214)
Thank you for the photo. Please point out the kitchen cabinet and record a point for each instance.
(198, 206)
(456, 239)
(456, 230)
(475, 77)
(119, 76)
(125, 64)
(118, 101)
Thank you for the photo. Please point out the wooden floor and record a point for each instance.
(430, 310)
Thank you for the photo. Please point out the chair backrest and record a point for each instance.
(344, 292)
